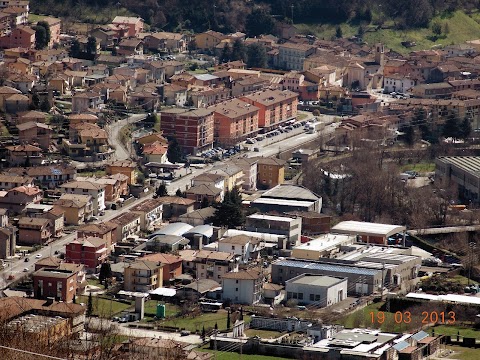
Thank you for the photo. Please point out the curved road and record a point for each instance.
(121, 153)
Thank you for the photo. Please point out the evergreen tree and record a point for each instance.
(42, 35)
(105, 273)
(465, 129)
(259, 22)
(74, 49)
(229, 212)
(216, 326)
(179, 193)
(451, 127)
(89, 311)
(241, 314)
(174, 152)
(409, 136)
(203, 333)
(35, 102)
(91, 48)
(256, 56)
(161, 190)
(228, 319)
(238, 51)
(226, 54)
(338, 32)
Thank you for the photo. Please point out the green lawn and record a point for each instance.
(462, 27)
(264, 334)
(34, 17)
(104, 307)
(462, 280)
(233, 355)
(462, 353)
(422, 167)
(454, 330)
(197, 323)
(171, 310)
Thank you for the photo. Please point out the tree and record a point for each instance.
(151, 119)
(256, 56)
(45, 105)
(338, 32)
(204, 334)
(75, 49)
(451, 127)
(105, 273)
(259, 22)
(437, 28)
(89, 311)
(91, 48)
(174, 151)
(228, 319)
(229, 212)
(161, 190)
(225, 56)
(179, 193)
(446, 28)
(238, 51)
(409, 134)
(42, 35)
(205, 203)
(361, 31)
(35, 101)
(465, 129)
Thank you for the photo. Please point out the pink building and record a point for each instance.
(55, 29)
(90, 251)
(133, 24)
(20, 37)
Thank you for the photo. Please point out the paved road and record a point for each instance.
(121, 153)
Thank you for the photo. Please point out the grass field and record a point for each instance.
(104, 307)
(151, 310)
(422, 167)
(197, 323)
(462, 353)
(461, 26)
(454, 330)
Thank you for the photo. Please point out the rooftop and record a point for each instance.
(307, 265)
(292, 192)
(316, 280)
(367, 228)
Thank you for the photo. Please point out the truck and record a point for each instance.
(315, 127)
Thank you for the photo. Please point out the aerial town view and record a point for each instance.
(251, 179)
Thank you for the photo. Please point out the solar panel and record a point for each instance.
(401, 345)
(328, 267)
(420, 335)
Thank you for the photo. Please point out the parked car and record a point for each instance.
(38, 256)
(184, 333)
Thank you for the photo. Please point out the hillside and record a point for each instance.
(461, 27)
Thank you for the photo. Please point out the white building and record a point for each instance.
(317, 290)
(398, 83)
(324, 246)
(240, 245)
(243, 287)
(96, 191)
(290, 227)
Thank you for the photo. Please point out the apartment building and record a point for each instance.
(143, 276)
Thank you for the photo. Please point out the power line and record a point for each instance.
(32, 353)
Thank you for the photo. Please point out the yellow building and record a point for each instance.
(143, 276)
(125, 167)
(208, 39)
(77, 208)
(233, 176)
(270, 172)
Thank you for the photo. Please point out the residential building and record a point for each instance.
(316, 290)
(198, 217)
(21, 36)
(125, 167)
(24, 155)
(34, 231)
(134, 25)
(57, 217)
(155, 153)
(82, 101)
(51, 262)
(49, 176)
(17, 199)
(150, 211)
(8, 241)
(192, 128)
(399, 83)
(275, 107)
(200, 192)
(205, 264)
(16, 103)
(34, 132)
(55, 26)
(115, 186)
(235, 120)
(312, 223)
(270, 172)
(77, 209)
(55, 283)
(175, 95)
(9, 181)
(127, 224)
(286, 197)
(174, 206)
(96, 191)
(143, 276)
(243, 287)
(208, 40)
(91, 252)
(129, 47)
(166, 41)
(172, 265)
(292, 55)
(240, 245)
(290, 227)
(232, 174)
(215, 180)
(103, 230)
(249, 167)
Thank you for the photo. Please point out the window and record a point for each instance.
(236, 289)
(300, 296)
(233, 247)
(312, 297)
(236, 281)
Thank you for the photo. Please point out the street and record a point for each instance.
(113, 131)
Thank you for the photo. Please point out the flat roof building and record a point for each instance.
(368, 232)
(316, 290)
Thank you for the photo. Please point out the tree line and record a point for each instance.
(255, 17)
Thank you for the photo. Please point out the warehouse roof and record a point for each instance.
(367, 228)
(306, 265)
